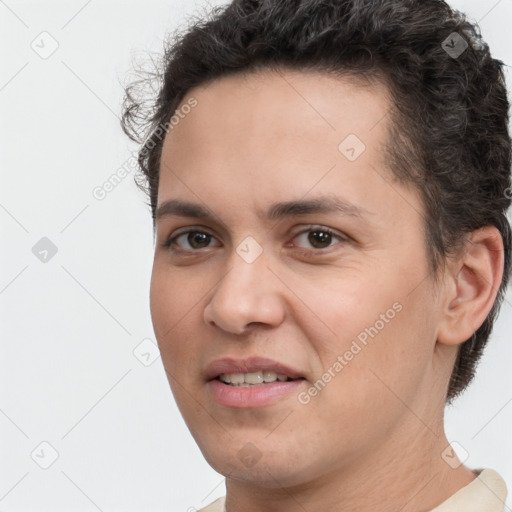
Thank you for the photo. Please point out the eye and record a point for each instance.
(195, 238)
(319, 237)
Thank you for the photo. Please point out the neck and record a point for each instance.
(408, 474)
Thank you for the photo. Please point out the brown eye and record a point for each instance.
(190, 240)
(198, 240)
(318, 237)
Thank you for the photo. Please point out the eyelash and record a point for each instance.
(171, 240)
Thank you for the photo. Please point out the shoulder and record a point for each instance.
(216, 506)
(487, 493)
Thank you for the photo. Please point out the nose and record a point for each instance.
(249, 294)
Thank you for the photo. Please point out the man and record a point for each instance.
(329, 184)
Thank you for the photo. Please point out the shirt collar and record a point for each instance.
(487, 493)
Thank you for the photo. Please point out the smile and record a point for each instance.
(253, 378)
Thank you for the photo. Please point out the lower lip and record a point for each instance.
(251, 396)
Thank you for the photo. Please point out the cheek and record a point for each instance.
(171, 312)
(354, 308)
(162, 302)
(384, 338)
(363, 398)
(392, 365)
(174, 324)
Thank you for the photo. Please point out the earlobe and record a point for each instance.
(474, 283)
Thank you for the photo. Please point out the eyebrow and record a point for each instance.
(276, 211)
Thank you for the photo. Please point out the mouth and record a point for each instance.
(254, 378)
(251, 371)
(250, 383)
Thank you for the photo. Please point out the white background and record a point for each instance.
(69, 326)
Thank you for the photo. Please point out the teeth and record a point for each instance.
(253, 378)
(237, 378)
(269, 376)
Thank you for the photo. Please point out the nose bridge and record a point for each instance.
(246, 261)
(244, 295)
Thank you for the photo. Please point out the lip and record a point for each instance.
(248, 365)
(259, 395)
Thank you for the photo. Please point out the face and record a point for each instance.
(302, 258)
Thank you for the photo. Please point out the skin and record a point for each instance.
(376, 429)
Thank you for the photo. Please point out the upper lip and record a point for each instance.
(248, 365)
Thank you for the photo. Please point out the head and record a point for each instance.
(365, 102)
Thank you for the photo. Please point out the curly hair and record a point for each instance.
(449, 133)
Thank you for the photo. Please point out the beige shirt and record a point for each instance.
(487, 493)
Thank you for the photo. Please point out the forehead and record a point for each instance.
(262, 105)
(258, 137)
(268, 116)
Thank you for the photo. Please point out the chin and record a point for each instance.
(266, 468)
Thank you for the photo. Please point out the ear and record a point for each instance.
(473, 281)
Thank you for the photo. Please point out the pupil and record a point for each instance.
(322, 236)
(193, 237)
